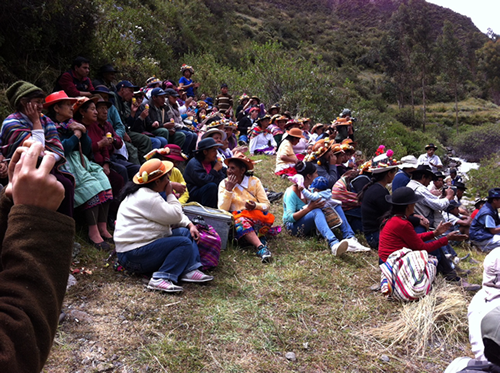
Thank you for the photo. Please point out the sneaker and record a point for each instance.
(339, 248)
(264, 254)
(196, 276)
(355, 246)
(164, 285)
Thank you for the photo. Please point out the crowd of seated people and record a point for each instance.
(128, 158)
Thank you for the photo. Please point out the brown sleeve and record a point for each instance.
(5, 206)
(36, 255)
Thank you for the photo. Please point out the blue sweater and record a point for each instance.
(400, 180)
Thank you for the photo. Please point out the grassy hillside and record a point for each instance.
(307, 302)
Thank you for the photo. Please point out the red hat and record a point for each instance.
(56, 97)
(175, 153)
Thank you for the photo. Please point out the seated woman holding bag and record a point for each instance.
(245, 197)
(153, 236)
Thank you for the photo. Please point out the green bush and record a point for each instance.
(478, 142)
(409, 119)
(484, 178)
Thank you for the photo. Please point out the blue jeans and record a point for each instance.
(206, 195)
(190, 142)
(158, 142)
(354, 219)
(166, 258)
(316, 219)
(373, 239)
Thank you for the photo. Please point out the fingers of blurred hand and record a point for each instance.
(48, 162)
(36, 187)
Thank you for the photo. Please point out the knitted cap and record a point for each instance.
(18, 90)
(319, 183)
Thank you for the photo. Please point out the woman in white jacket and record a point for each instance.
(153, 236)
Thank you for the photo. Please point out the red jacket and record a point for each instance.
(398, 232)
(96, 132)
(73, 86)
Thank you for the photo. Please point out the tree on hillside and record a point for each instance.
(35, 34)
(396, 56)
(409, 52)
(424, 47)
(489, 65)
(452, 55)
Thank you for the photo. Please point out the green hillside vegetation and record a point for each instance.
(380, 58)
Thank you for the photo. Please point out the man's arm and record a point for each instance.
(36, 255)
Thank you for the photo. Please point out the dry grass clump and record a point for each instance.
(438, 319)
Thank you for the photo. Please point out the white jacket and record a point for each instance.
(144, 217)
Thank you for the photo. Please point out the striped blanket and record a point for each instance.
(17, 127)
(408, 275)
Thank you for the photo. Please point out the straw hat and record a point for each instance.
(316, 127)
(295, 132)
(213, 131)
(82, 100)
(383, 163)
(185, 67)
(152, 170)
(242, 158)
(409, 161)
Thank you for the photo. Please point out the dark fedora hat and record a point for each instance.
(438, 175)
(108, 68)
(460, 185)
(403, 196)
(494, 193)
(207, 143)
(431, 145)
(425, 169)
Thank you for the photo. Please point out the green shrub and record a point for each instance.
(478, 142)
(484, 178)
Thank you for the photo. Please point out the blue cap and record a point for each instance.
(126, 84)
(171, 92)
(494, 193)
(100, 89)
(158, 92)
(453, 204)
(319, 183)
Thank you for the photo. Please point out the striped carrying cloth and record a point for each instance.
(407, 274)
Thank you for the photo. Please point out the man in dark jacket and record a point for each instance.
(127, 111)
